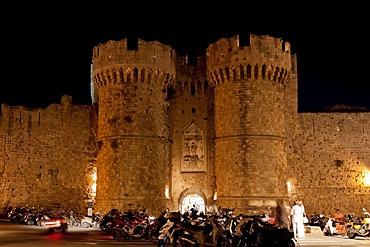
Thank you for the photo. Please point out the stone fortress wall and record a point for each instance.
(329, 158)
(226, 128)
(47, 155)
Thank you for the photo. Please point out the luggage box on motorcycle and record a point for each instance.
(175, 216)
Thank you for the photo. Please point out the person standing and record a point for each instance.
(281, 215)
(297, 220)
(339, 216)
(288, 209)
(302, 230)
(194, 212)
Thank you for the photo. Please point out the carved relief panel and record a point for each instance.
(193, 150)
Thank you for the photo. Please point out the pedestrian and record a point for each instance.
(281, 216)
(338, 216)
(302, 229)
(297, 219)
(288, 209)
(194, 212)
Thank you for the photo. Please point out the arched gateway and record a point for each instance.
(192, 198)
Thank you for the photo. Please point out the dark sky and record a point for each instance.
(48, 54)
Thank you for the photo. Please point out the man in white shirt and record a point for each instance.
(297, 220)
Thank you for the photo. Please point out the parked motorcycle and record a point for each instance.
(224, 227)
(206, 232)
(356, 228)
(91, 221)
(16, 215)
(256, 232)
(30, 217)
(169, 231)
(318, 220)
(193, 236)
(131, 227)
(156, 225)
(107, 222)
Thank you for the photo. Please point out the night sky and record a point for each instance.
(48, 54)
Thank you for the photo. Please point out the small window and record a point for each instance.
(192, 89)
(192, 110)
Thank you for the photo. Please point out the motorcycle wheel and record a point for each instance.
(351, 234)
(223, 242)
(106, 227)
(85, 224)
(103, 227)
(30, 222)
(163, 242)
(118, 234)
(16, 220)
(152, 237)
(64, 229)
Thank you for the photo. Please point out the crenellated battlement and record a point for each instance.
(263, 52)
(144, 62)
(264, 46)
(265, 59)
(189, 72)
(150, 53)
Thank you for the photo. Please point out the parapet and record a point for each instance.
(262, 50)
(148, 53)
(186, 71)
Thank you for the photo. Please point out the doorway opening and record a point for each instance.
(193, 201)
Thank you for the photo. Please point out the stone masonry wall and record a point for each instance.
(46, 156)
(328, 159)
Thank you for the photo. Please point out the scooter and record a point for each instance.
(155, 225)
(87, 222)
(169, 231)
(333, 227)
(213, 231)
(91, 221)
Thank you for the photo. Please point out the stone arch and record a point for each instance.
(189, 192)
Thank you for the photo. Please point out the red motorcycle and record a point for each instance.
(110, 220)
(132, 228)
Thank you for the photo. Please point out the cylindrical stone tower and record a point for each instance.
(133, 164)
(250, 152)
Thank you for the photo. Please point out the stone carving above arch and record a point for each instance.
(193, 149)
